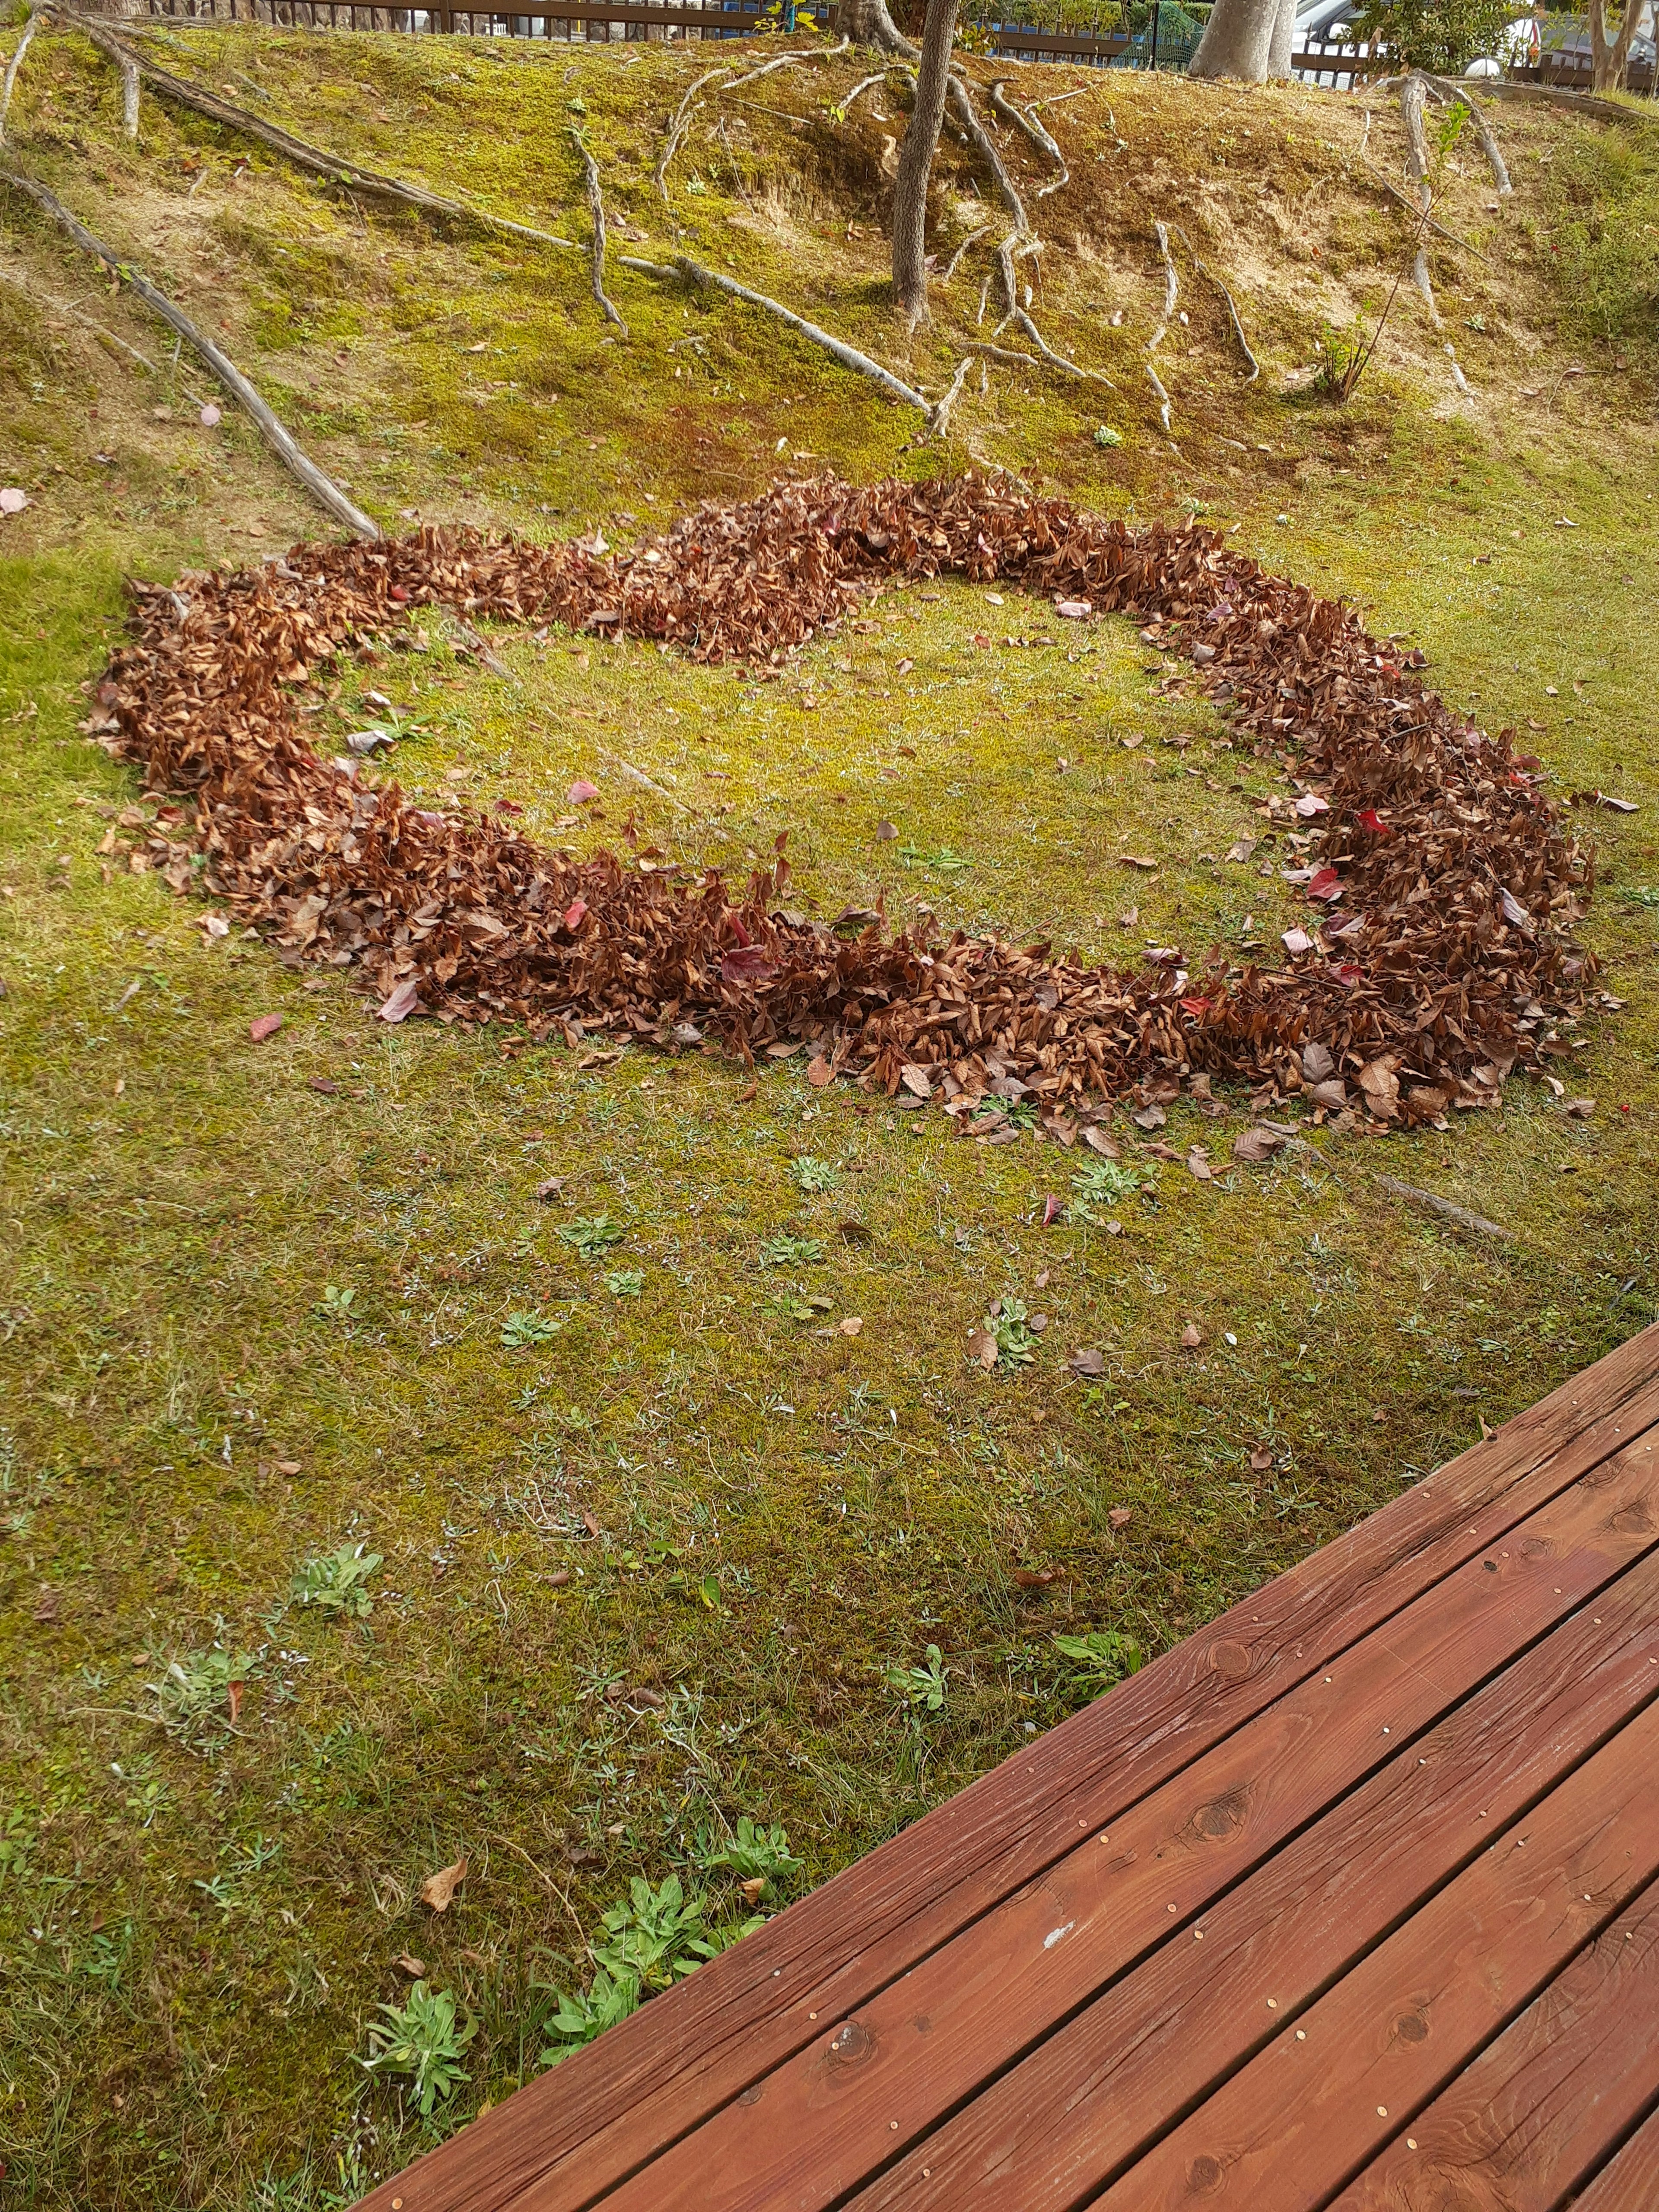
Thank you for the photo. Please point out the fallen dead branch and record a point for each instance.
(1445, 1209)
(329, 167)
(1414, 1003)
(1411, 206)
(321, 487)
(848, 356)
(595, 209)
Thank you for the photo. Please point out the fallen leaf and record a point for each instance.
(819, 1072)
(438, 1889)
(916, 1078)
(1086, 1360)
(851, 1325)
(550, 1189)
(1261, 1460)
(407, 1963)
(1098, 1141)
(982, 1346)
(905, 666)
(743, 1096)
(1149, 1117)
(263, 1026)
(46, 1605)
(1053, 1207)
(1034, 1578)
(886, 833)
(1199, 1167)
(754, 1889)
(209, 417)
(1309, 805)
(853, 1232)
(1317, 1063)
(326, 1085)
(574, 912)
(1135, 860)
(1191, 1337)
(1296, 941)
(1073, 610)
(1256, 1145)
(1326, 885)
(1581, 1109)
(234, 1699)
(581, 792)
(1120, 1516)
(289, 1466)
(401, 1002)
(12, 500)
(1332, 1094)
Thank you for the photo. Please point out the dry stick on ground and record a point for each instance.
(848, 356)
(595, 209)
(1210, 277)
(1413, 94)
(320, 486)
(79, 314)
(1428, 1201)
(1027, 122)
(678, 124)
(311, 158)
(14, 65)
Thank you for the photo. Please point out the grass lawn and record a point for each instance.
(646, 1383)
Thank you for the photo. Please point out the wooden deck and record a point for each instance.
(1349, 1900)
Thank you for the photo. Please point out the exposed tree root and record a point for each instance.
(595, 209)
(844, 107)
(1444, 89)
(678, 124)
(1445, 1209)
(1163, 398)
(1210, 277)
(329, 167)
(848, 356)
(322, 488)
(15, 64)
(981, 140)
(940, 421)
(972, 239)
(1025, 119)
(1414, 96)
(782, 61)
(1171, 288)
(105, 336)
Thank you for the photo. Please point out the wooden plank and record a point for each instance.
(1086, 2102)
(689, 2052)
(878, 2079)
(1631, 2183)
(1292, 2127)
(1540, 2109)
(1013, 41)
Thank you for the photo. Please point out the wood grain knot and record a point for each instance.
(1203, 2176)
(1412, 2028)
(1222, 1816)
(1230, 1659)
(853, 2047)
(1633, 1520)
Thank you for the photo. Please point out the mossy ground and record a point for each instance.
(192, 1944)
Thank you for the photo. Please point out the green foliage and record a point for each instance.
(1601, 234)
(521, 1332)
(337, 1305)
(625, 1282)
(1105, 435)
(590, 1237)
(810, 1175)
(337, 1583)
(786, 1251)
(1102, 1182)
(1442, 36)
(193, 1697)
(580, 2015)
(1016, 1339)
(1641, 894)
(1100, 1658)
(423, 2042)
(756, 1853)
(922, 1688)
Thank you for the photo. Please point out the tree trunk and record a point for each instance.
(1237, 40)
(867, 23)
(915, 162)
(1283, 44)
(1609, 54)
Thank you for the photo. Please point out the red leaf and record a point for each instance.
(401, 1001)
(573, 912)
(398, 593)
(748, 963)
(1053, 1207)
(1369, 818)
(1327, 885)
(582, 793)
(263, 1026)
(1194, 1007)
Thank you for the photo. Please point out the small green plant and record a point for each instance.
(756, 1853)
(1342, 356)
(647, 1933)
(786, 1251)
(625, 1282)
(1100, 1658)
(946, 861)
(337, 1306)
(583, 2013)
(1103, 1182)
(337, 1583)
(1105, 435)
(197, 1697)
(810, 1175)
(1645, 895)
(590, 1235)
(521, 1331)
(423, 2042)
(1016, 1339)
(921, 1688)
(16, 1839)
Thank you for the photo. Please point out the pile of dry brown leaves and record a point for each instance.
(1441, 888)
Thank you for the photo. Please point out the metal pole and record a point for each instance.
(1151, 52)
